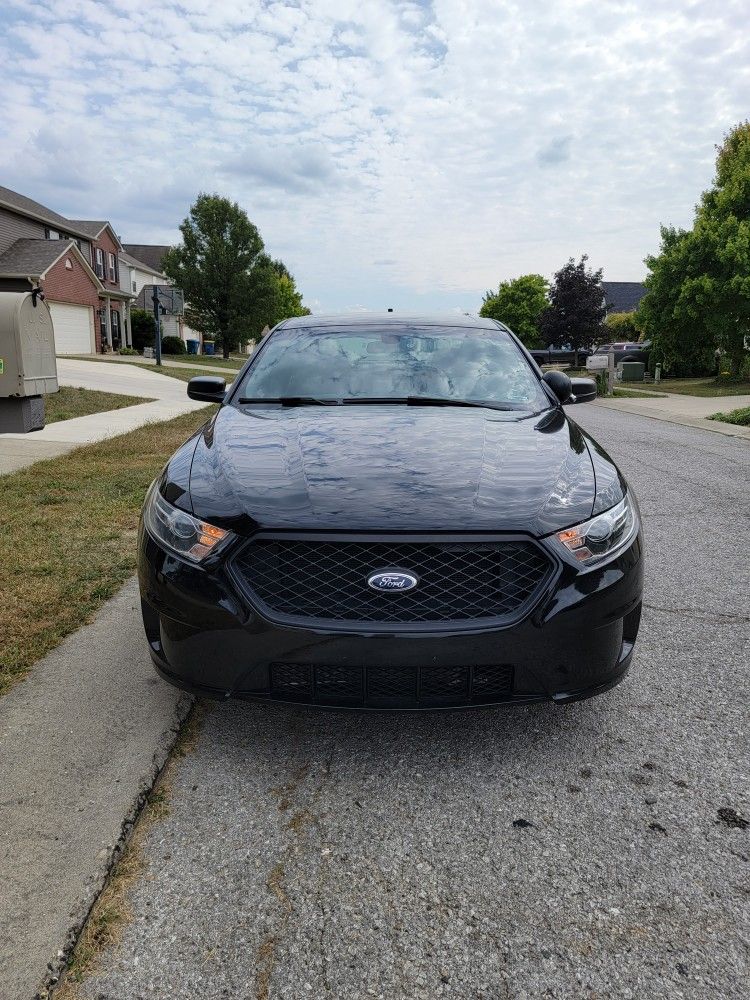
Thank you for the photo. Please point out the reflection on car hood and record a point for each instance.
(391, 468)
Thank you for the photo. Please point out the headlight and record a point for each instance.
(600, 538)
(184, 534)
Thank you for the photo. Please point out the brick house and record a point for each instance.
(76, 262)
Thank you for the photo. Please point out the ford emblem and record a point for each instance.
(392, 579)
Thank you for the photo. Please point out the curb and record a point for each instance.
(83, 738)
(713, 426)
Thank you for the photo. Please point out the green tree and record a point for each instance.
(576, 311)
(698, 285)
(142, 328)
(287, 299)
(519, 304)
(223, 271)
(622, 326)
(680, 338)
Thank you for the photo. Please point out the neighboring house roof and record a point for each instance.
(27, 206)
(148, 253)
(141, 265)
(34, 258)
(94, 228)
(623, 296)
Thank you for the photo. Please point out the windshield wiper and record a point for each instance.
(430, 401)
(291, 400)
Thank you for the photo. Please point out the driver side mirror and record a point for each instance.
(560, 384)
(584, 390)
(567, 390)
(207, 389)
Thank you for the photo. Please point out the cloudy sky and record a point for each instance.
(394, 152)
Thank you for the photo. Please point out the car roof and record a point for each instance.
(396, 320)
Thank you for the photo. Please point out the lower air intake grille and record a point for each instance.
(324, 580)
(391, 687)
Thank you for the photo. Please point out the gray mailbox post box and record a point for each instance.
(28, 369)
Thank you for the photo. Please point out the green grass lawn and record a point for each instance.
(638, 394)
(235, 362)
(71, 402)
(69, 526)
(740, 416)
(704, 387)
(185, 374)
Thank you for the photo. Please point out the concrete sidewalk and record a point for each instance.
(81, 742)
(169, 397)
(690, 411)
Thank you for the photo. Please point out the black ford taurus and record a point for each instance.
(391, 513)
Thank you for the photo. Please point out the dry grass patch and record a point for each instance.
(71, 401)
(69, 527)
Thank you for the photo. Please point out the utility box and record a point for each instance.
(632, 371)
(28, 368)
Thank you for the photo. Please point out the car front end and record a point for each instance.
(378, 552)
(249, 624)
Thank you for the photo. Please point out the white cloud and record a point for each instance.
(395, 153)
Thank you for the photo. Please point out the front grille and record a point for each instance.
(324, 580)
(390, 687)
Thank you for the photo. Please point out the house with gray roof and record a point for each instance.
(75, 262)
(623, 296)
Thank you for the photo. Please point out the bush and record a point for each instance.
(173, 345)
(622, 327)
(740, 416)
(142, 328)
(127, 350)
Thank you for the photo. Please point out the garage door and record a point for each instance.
(74, 328)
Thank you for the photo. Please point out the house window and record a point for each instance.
(111, 260)
(99, 263)
(135, 287)
(52, 234)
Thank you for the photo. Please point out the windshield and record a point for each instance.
(452, 363)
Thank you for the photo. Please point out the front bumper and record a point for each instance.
(205, 637)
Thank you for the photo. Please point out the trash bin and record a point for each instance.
(208, 347)
(192, 346)
(632, 371)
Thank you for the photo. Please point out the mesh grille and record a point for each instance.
(326, 580)
(391, 687)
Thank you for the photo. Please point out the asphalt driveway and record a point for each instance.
(597, 850)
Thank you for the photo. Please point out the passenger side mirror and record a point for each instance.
(560, 384)
(584, 390)
(207, 389)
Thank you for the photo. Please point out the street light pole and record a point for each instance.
(157, 342)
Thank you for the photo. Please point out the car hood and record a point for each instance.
(391, 468)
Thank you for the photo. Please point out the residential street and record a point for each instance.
(592, 851)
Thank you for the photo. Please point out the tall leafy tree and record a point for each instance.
(698, 295)
(287, 299)
(223, 271)
(681, 339)
(519, 304)
(577, 310)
